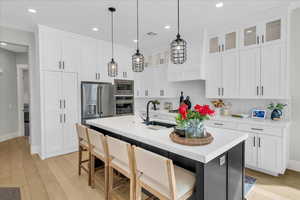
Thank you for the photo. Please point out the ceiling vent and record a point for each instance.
(151, 34)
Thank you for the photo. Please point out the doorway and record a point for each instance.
(15, 91)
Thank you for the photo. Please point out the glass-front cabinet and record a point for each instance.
(223, 42)
(269, 31)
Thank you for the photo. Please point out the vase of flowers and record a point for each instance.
(191, 121)
(276, 110)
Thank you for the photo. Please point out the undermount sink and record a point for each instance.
(155, 125)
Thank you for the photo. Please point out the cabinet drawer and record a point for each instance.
(221, 124)
(261, 129)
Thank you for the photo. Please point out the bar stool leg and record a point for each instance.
(110, 181)
(89, 168)
(79, 160)
(92, 171)
(138, 192)
(106, 181)
(132, 189)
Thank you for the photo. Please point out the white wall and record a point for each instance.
(27, 39)
(8, 95)
(295, 81)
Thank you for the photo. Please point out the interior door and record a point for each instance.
(251, 150)
(70, 111)
(53, 119)
(214, 76)
(230, 74)
(250, 72)
(71, 54)
(269, 152)
(272, 73)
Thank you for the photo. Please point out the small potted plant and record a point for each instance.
(191, 121)
(276, 110)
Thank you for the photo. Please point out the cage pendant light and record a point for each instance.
(137, 58)
(112, 66)
(178, 46)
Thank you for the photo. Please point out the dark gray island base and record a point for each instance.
(220, 179)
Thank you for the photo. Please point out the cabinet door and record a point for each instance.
(249, 72)
(230, 74)
(70, 113)
(52, 111)
(273, 31)
(71, 54)
(251, 150)
(214, 44)
(269, 153)
(250, 36)
(88, 70)
(272, 71)
(50, 50)
(230, 41)
(214, 76)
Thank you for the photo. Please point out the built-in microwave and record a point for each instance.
(124, 87)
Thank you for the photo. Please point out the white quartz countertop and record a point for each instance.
(133, 128)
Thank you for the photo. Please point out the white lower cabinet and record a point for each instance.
(266, 148)
(59, 112)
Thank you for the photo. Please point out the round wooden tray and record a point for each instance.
(191, 141)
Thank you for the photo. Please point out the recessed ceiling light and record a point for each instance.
(3, 44)
(167, 27)
(219, 4)
(31, 10)
(95, 29)
(135, 41)
(249, 31)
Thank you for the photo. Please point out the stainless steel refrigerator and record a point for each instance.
(97, 100)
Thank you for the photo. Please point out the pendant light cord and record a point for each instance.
(112, 35)
(137, 24)
(178, 17)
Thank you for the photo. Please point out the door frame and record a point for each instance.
(20, 69)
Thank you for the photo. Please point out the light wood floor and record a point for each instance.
(57, 178)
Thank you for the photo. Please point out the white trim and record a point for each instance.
(35, 149)
(294, 5)
(8, 136)
(294, 165)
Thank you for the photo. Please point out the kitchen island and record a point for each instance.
(219, 166)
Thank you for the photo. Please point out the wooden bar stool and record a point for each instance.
(121, 160)
(84, 146)
(98, 148)
(160, 177)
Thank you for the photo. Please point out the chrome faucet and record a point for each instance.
(154, 105)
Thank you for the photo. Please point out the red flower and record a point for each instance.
(183, 111)
(204, 110)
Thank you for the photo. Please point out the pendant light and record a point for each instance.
(137, 58)
(112, 66)
(178, 46)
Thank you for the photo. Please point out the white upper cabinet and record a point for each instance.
(273, 65)
(59, 51)
(123, 57)
(263, 33)
(252, 61)
(249, 72)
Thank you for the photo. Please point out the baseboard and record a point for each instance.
(294, 165)
(9, 136)
(35, 149)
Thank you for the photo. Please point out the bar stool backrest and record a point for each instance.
(155, 168)
(98, 142)
(82, 134)
(118, 149)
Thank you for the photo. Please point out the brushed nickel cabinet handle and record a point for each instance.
(222, 91)
(63, 64)
(254, 141)
(64, 103)
(257, 39)
(257, 90)
(218, 124)
(60, 118)
(257, 129)
(64, 118)
(219, 48)
(60, 103)
(259, 145)
(219, 93)
(262, 39)
(59, 64)
(262, 90)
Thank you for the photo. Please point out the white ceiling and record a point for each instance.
(80, 16)
(14, 48)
